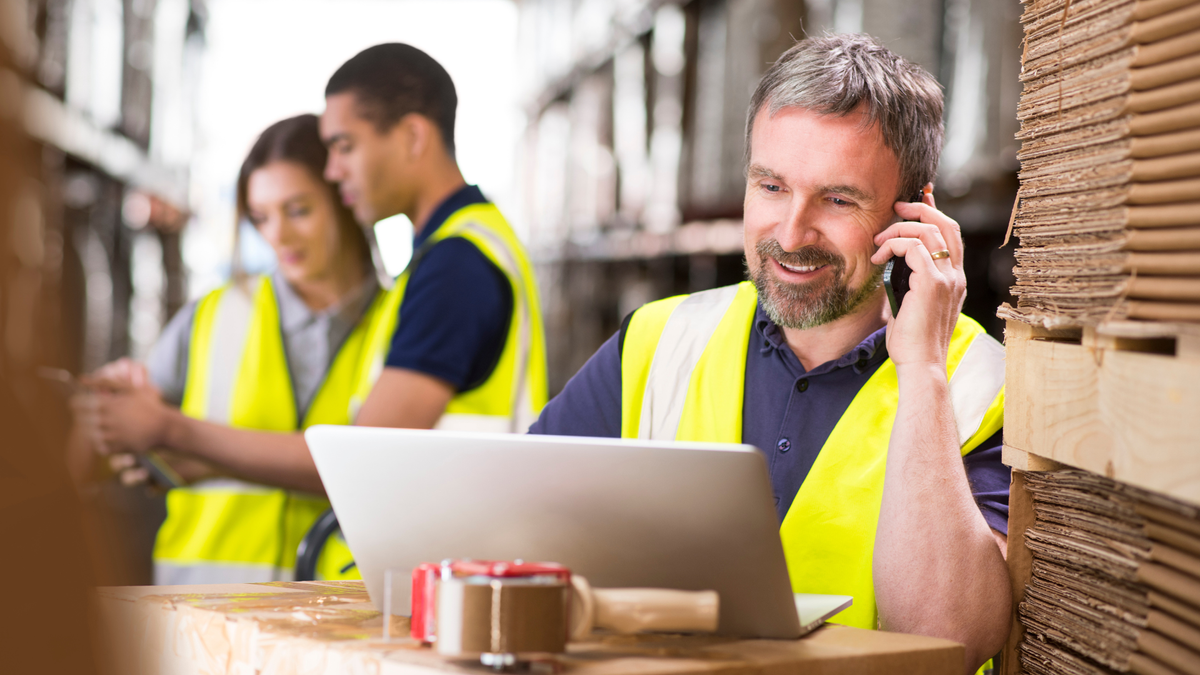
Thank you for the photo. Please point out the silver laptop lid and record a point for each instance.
(691, 516)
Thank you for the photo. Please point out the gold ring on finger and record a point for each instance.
(944, 253)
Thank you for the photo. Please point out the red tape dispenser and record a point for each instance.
(497, 610)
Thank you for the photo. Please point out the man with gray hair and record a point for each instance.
(881, 433)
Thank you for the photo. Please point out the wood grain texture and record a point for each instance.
(1128, 415)
(1023, 461)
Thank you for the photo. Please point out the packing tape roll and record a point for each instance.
(501, 616)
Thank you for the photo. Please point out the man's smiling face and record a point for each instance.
(818, 190)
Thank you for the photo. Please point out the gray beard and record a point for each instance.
(804, 306)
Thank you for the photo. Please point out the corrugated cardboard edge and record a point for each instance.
(1020, 566)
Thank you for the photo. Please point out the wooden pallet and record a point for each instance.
(1121, 399)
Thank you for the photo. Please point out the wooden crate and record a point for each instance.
(1121, 399)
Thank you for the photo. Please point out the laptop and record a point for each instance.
(623, 513)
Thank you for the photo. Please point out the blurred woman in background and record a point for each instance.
(234, 375)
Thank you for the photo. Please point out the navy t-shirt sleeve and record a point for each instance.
(454, 317)
(989, 479)
(590, 404)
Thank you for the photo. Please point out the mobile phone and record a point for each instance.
(158, 468)
(896, 273)
(895, 282)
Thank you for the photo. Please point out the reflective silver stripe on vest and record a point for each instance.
(230, 485)
(230, 328)
(481, 423)
(167, 574)
(522, 415)
(687, 332)
(975, 384)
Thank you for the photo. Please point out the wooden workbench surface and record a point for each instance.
(330, 627)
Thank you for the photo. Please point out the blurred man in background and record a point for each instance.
(467, 345)
(885, 489)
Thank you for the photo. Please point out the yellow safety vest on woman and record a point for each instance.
(226, 530)
(683, 370)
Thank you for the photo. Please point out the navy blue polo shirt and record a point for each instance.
(787, 412)
(456, 309)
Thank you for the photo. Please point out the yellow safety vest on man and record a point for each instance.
(226, 530)
(516, 391)
(682, 378)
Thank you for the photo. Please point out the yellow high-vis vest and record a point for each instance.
(682, 378)
(516, 391)
(226, 530)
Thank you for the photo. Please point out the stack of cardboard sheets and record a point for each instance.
(1108, 212)
(1116, 579)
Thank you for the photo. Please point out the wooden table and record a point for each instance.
(331, 627)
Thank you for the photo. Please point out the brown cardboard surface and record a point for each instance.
(1084, 157)
(1169, 652)
(1169, 239)
(1110, 183)
(1167, 264)
(1162, 98)
(1020, 562)
(1090, 598)
(1172, 215)
(1178, 609)
(1092, 47)
(1183, 165)
(1163, 311)
(1163, 121)
(1166, 50)
(1144, 665)
(1093, 30)
(1044, 658)
(1164, 192)
(1180, 631)
(1171, 517)
(1148, 9)
(1065, 25)
(1165, 144)
(1164, 74)
(1176, 559)
(1171, 582)
(1150, 288)
(1139, 90)
(1108, 211)
(324, 628)
(1183, 541)
(1155, 25)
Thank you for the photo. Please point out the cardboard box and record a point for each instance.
(331, 627)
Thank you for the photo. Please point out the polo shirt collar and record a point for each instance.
(870, 350)
(295, 315)
(466, 196)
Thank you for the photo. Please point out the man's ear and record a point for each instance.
(416, 134)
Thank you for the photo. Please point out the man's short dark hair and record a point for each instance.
(392, 80)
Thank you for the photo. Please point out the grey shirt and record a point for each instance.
(311, 340)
